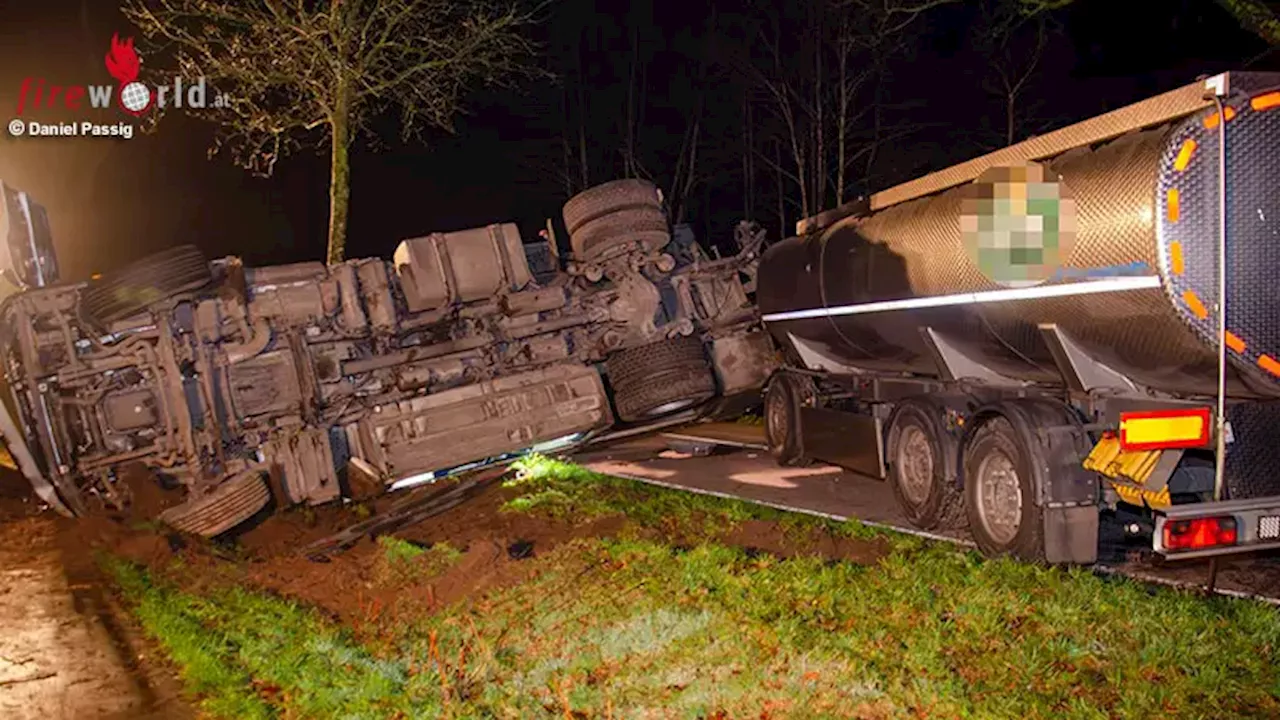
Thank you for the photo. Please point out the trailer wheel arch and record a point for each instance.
(1052, 430)
(797, 389)
(943, 507)
(1051, 439)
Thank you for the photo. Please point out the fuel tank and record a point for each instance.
(1111, 245)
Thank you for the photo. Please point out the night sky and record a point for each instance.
(112, 201)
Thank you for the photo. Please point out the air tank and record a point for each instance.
(1111, 244)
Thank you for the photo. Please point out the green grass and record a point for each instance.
(635, 628)
(564, 491)
(556, 489)
(252, 655)
(402, 561)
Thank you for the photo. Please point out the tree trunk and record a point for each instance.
(746, 166)
(1010, 100)
(339, 180)
(842, 120)
(782, 193)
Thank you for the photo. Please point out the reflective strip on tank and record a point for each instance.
(1090, 287)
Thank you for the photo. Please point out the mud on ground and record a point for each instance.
(72, 651)
(352, 587)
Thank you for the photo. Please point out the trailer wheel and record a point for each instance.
(659, 379)
(782, 422)
(918, 468)
(999, 497)
(159, 276)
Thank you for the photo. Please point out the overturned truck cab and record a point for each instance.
(304, 383)
(1021, 340)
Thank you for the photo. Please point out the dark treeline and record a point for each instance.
(735, 108)
(774, 111)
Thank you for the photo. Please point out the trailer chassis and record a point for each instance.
(936, 440)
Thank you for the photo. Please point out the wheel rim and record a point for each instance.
(915, 464)
(999, 497)
(669, 407)
(776, 418)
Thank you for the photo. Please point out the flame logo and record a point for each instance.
(122, 61)
(123, 64)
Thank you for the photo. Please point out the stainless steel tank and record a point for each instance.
(1133, 282)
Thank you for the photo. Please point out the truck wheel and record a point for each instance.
(131, 289)
(782, 422)
(659, 379)
(998, 493)
(602, 218)
(230, 504)
(918, 469)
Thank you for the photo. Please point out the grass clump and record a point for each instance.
(254, 655)
(560, 490)
(402, 561)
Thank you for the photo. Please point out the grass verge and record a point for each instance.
(563, 491)
(638, 628)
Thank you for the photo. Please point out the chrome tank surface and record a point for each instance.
(1141, 266)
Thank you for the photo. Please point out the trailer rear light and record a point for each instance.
(1164, 429)
(1200, 533)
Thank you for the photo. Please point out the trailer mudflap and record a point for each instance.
(1218, 528)
(1071, 534)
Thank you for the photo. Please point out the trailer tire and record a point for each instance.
(156, 277)
(999, 492)
(782, 422)
(659, 379)
(920, 460)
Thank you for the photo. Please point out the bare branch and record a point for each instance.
(1256, 16)
(322, 70)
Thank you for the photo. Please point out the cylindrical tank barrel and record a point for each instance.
(1114, 247)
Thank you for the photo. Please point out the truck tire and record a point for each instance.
(920, 469)
(782, 422)
(659, 379)
(602, 218)
(228, 505)
(998, 492)
(154, 278)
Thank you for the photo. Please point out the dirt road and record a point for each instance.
(63, 654)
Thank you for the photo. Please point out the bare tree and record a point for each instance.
(322, 70)
(1256, 16)
(1013, 35)
(815, 80)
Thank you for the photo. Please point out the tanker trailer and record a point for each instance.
(1021, 340)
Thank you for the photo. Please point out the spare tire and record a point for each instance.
(602, 219)
(659, 379)
(131, 289)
